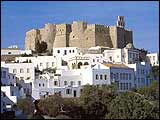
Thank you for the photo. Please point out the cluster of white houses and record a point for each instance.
(73, 68)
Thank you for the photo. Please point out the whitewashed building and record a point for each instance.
(23, 71)
(69, 83)
(142, 74)
(153, 58)
(66, 51)
(126, 55)
(42, 62)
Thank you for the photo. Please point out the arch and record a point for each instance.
(86, 63)
(79, 65)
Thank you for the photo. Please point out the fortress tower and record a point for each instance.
(80, 34)
(62, 35)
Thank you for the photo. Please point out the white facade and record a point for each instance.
(142, 74)
(10, 51)
(66, 51)
(23, 71)
(153, 58)
(125, 55)
(77, 61)
(69, 82)
(42, 62)
(28, 52)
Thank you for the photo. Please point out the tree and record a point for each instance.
(51, 105)
(131, 105)
(38, 47)
(150, 92)
(95, 99)
(41, 47)
(71, 108)
(25, 105)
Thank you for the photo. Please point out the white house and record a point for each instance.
(142, 74)
(125, 55)
(23, 71)
(42, 62)
(10, 51)
(66, 51)
(153, 58)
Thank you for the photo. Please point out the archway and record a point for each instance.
(79, 65)
(86, 63)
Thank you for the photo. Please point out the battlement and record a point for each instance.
(81, 34)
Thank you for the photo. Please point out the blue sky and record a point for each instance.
(19, 17)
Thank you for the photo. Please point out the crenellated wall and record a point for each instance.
(79, 34)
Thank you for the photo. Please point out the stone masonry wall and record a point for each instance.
(79, 34)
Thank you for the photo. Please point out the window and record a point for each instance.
(71, 83)
(47, 64)
(68, 91)
(121, 76)
(3, 74)
(41, 64)
(124, 86)
(73, 51)
(14, 70)
(39, 85)
(79, 82)
(13, 77)
(69, 51)
(43, 84)
(117, 75)
(21, 78)
(129, 76)
(52, 64)
(121, 86)
(126, 76)
(138, 71)
(97, 60)
(73, 36)
(105, 77)
(96, 77)
(12, 93)
(127, 86)
(27, 70)
(101, 77)
(58, 51)
(55, 83)
(21, 70)
(9, 52)
(93, 60)
(110, 58)
(153, 57)
(65, 52)
(130, 85)
(65, 82)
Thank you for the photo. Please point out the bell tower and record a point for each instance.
(120, 21)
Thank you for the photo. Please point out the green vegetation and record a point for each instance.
(41, 47)
(25, 105)
(101, 102)
(26, 55)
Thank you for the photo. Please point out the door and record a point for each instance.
(74, 93)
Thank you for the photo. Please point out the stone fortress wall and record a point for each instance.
(80, 34)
